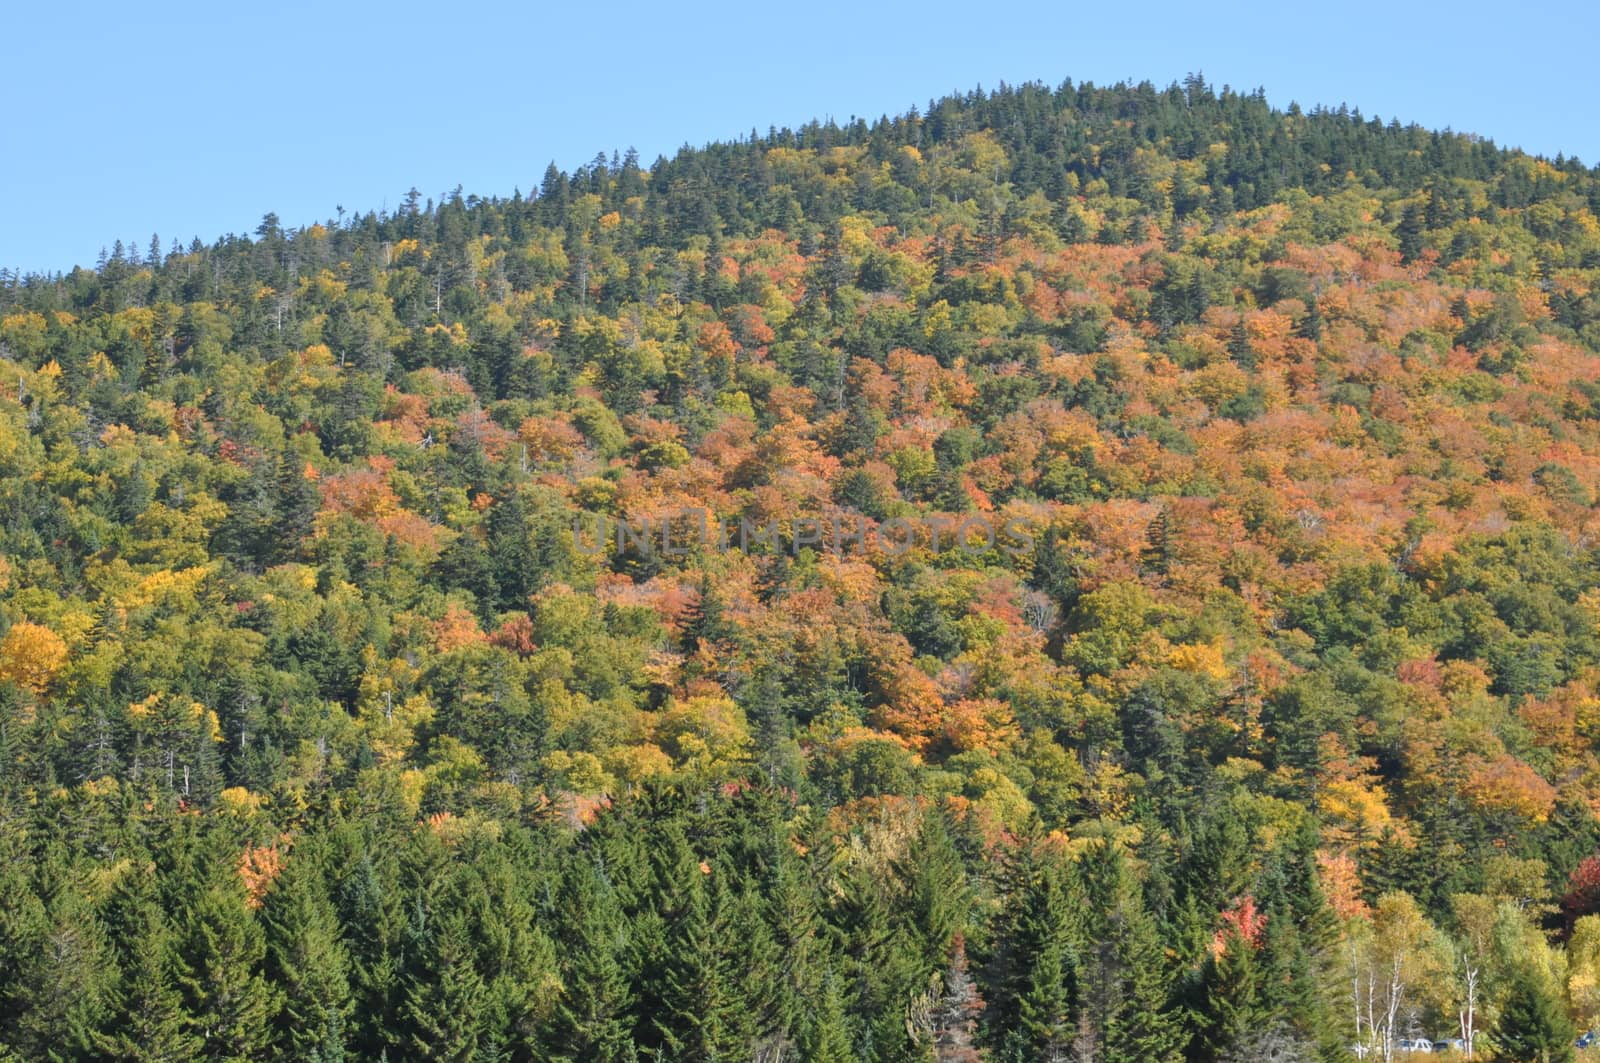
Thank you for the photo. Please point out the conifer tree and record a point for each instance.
(1031, 976)
(369, 911)
(594, 1012)
(1533, 1025)
(307, 960)
(1126, 985)
(882, 963)
(1232, 1006)
(57, 971)
(442, 992)
(148, 1021)
(231, 1000)
(937, 897)
(825, 1035)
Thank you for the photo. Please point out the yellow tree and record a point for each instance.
(1396, 970)
(31, 655)
(1583, 971)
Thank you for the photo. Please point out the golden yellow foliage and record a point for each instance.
(1358, 809)
(1200, 658)
(582, 773)
(238, 801)
(31, 655)
(631, 764)
(164, 586)
(704, 732)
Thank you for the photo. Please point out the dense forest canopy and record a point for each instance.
(323, 734)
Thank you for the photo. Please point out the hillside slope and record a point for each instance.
(1103, 570)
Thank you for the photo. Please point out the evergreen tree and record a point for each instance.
(825, 1035)
(369, 912)
(1232, 1007)
(594, 1012)
(1126, 986)
(937, 897)
(882, 964)
(148, 1021)
(1410, 232)
(59, 972)
(1533, 1026)
(307, 960)
(1032, 973)
(228, 994)
(442, 992)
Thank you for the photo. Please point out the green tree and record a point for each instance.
(594, 1012)
(148, 1021)
(1533, 1026)
(1126, 985)
(308, 962)
(228, 993)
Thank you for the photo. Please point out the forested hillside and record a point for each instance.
(1266, 727)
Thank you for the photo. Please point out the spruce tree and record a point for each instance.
(369, 910)
(442, 992)
(937, 897)
(1126, 984)
(56, 971)
(308, 962)
(713, 971)
(881, 961)
(825, 1035)
(1031, 973)
(231, 1000)
(594, 1012)
(148, 1021)
(1533, 1026)
(1232, 1004)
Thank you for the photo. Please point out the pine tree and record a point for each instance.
(1045, 1008)
(1157, 555)
(1300, 943)
(56, 970)
(1032, 972)
(881, 961)
(442, 992)
(705, 1012)
(370, 913)
(826, 1033)
(1239, 347)
(1410, 232)
(1126, 986)
(792, 912)
(937, 897)
(512, 560)
(515, 955)
(1232, 1004)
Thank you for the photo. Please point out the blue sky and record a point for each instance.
(195, 119)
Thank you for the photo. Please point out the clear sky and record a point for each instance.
(195, 119)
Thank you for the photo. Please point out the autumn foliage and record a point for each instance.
(419, 637)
